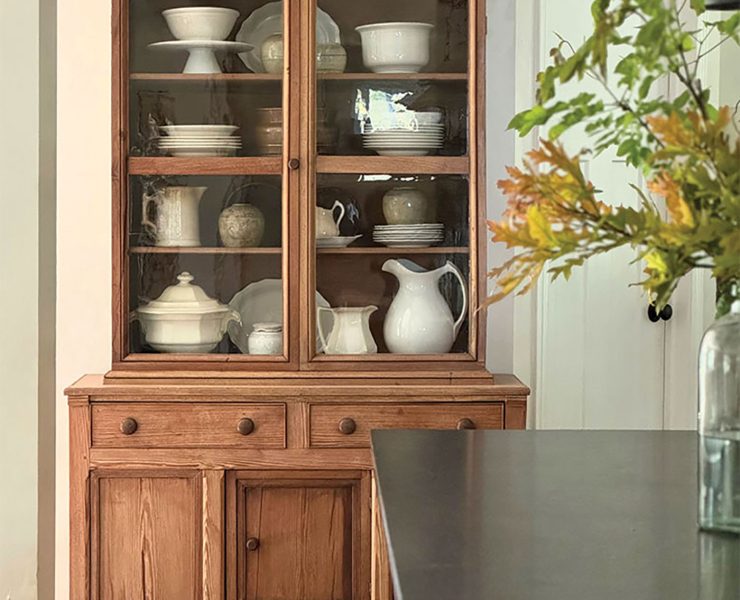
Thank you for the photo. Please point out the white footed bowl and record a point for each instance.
(395, 47)
(201, 22)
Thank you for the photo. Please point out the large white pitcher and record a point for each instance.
(176, 221)
(419, 321)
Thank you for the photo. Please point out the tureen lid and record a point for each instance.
(184, 297)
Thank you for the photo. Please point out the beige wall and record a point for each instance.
(83, 222)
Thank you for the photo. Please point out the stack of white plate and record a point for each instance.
(199, 140)
(419, 141)
(422, 235)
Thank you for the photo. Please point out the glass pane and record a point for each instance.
(203, 228)
(420, 266)
(403, 90)
(226, 233)
(204, 98)
(393, 248)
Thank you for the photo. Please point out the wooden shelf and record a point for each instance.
(395, 251)
(207, 77)
(252, 165)
(202, 250)
(254, 77)
(394, 165)
(393, 76)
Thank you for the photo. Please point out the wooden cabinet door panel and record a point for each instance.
(146, 536)
(307, 534)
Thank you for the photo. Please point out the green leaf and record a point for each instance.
(645, 86)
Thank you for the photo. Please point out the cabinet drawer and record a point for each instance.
(349, 425)
(182, 425)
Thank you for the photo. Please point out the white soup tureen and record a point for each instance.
(184, 319)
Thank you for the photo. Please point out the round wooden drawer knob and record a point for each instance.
(465, 424)
(294, 164)
(129, 426)
(245, 426)
(347, 426)
(253, 544)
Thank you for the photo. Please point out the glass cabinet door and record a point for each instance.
(203, 201)
(394, 240)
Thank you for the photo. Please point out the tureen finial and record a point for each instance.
(185, 278)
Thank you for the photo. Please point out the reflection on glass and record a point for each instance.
(373, 107)
(198, 246)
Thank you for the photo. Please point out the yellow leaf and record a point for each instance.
(538, 227)
(678, 208)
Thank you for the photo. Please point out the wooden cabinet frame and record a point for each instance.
(216, 472)
(299, 192)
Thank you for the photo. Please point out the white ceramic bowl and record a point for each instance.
(395, 47)
(428, 118)
(201, 22)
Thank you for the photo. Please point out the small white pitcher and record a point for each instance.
(350, 333)
(326, 226)
(176, 221)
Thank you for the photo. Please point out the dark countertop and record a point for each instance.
(523, 515)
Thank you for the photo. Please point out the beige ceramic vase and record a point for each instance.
(241, 226)
(407, 206)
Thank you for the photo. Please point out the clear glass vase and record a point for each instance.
(719, 424)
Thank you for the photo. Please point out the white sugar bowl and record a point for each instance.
(184, 319)
(266, 339)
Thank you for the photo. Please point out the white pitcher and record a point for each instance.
(176, 220)
(326, 226)
(350, 333)
(419, 321)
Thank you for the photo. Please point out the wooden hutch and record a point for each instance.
(229, 475)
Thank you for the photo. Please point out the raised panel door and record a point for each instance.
(146, 536)
(299, 538)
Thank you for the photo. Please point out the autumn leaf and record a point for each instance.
(678, 209)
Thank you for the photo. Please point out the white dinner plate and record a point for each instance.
(406, 152)
(201, 145)
(439, 129)
(403, 139)
(199, 138)
(206, 130)
(407, 244)
(408, 225)
(412, 147)
(262, 302)
(267, 20)
(193, 152)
